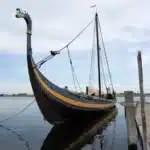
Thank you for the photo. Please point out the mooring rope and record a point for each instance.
(20, 137)
(14, 116)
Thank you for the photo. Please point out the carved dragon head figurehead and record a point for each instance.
(20, 13)
(23, 14)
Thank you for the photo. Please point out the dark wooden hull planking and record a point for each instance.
(53, 109)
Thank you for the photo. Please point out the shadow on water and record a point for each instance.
(77, 134)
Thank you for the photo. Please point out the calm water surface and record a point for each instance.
(28, 130)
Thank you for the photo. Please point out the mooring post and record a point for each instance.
(130, 119)
(142, 99)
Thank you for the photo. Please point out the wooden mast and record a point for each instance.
(98, 54)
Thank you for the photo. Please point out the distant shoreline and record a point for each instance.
(16, 95)
(21, 95)
(133, 96)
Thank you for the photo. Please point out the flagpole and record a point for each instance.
(94, 6)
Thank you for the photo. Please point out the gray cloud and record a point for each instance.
(58, 21)
(125, 27)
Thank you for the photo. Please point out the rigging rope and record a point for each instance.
(106, 56)
(75, 80)
(39, 64)
(92, 60)
(73, 70)
(103, 72)
(13, 116)
(92, 64)
(51, 56)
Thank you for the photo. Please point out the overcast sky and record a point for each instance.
(125, 26)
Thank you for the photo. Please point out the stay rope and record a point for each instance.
(53, 53)
(91, 73)
(110, 77)
(103, 72)
(74, 76)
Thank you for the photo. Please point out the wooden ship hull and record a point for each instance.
(56, 104)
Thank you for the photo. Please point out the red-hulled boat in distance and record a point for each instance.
(57, 104)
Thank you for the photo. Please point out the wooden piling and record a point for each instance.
(142, 100)
(130, 119)
(139, 123)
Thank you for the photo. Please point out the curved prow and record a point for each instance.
(27, 18)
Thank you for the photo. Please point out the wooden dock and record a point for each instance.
(140, 125)
(135, 123)
(138, 116)
(130, 106)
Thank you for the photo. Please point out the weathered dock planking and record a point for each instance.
(140, 124)
(138, 114)
(141, 117)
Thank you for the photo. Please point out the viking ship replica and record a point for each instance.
(58, 104)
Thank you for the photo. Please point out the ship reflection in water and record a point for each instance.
(79, 133)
